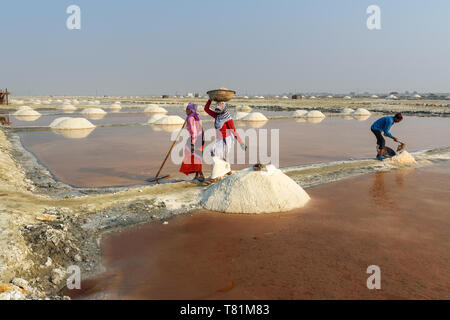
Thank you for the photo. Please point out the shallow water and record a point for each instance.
(397, 220)
(131, 154)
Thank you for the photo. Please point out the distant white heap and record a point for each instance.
(254, 190)
(66, 123)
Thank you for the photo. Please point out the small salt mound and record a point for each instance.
(361, 118)
(27, 118)
(402, 159)
(115, 106)
(347, 111)
(239, 115)
(255, 116)
(170, 120)
(24, 108)
(156, 117)
(91, 111)
(347, 97)
(219, 168)
(246, 109)
(361, 112)
(299, 113)
(255, 124)
(315, 114)
(73, 124)
(250, 191)
(26, 112)
(69, 107)
(153, 108)
(170, 127)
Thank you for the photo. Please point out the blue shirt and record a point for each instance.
(384, 124)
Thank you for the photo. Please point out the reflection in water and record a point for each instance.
(300, 120)
(75, 133)
(95, 116)
(378, 191)
(27, 118)
(255, 124)
(315, 120)
(361, 118)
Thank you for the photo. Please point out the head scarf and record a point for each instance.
(222, 117)
(193, 107)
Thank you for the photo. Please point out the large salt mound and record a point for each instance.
(152, 108)
(91, 111)
(73, 124)
(347, 111)
(250, 191)
(255, 116)
(361, 112)
(57, 121)
(26, 112)
(173, 120)
(299, 113)
(402, 159)
(315, 114)
(239, 115)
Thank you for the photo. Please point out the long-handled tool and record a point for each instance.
(157, 178)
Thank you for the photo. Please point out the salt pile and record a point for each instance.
(315, 114)
(402, 159)
(71, 124)
(347, 111)
(299, 113)
(239, 115)
(115, 106)
(69, 107)
(155, 118)
(246, 109)
(172, 120)
(26, 111)
(153, 108)
(347, 97)
(361, 118)
(361, 112)
(96, 111)
(255, 116)
(252, 191)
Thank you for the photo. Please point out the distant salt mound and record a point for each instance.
(239, 115)
(115, 106)
(361, 112)
(26, 112)
(69, 107)
(299, 113)
(255, 116)
(246, 109)
(347, 111)
(74, 134)
(404, 158)
(361, 118)
(93, 111)
(250, 191)
(24, 108)
(153, 108)
(57, 121)
(170, 120)
(72, 124)
(156, 117)
(347, 97)
(315, 114)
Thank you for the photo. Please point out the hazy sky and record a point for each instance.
(144, 47)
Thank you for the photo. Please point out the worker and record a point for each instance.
(383, 125)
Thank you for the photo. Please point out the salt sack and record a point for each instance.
(219, 168)
(156, 117)
(170, 120)
(250, 191)
(347, 111)
(255, 116)
(71, 124)
(361, 112)
(96, 111)
(153, 108)
(315, 114)
(404, 158)
(299, 113)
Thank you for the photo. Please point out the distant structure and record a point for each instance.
(165, 96)
(198, 95)
(4, 96)
(297, 96)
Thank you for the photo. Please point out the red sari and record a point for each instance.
(192, 161)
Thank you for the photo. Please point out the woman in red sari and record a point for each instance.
(193, 152)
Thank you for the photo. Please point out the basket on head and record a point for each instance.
(221, 95)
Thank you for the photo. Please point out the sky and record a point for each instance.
(154, 47)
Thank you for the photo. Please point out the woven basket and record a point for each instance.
(221, 95)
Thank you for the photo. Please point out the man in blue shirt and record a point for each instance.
(384, 124)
